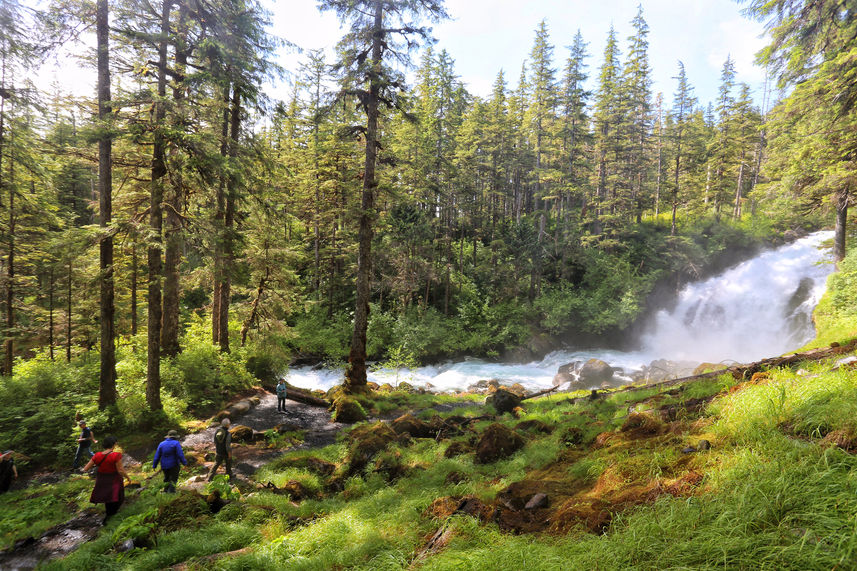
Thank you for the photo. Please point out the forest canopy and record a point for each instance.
(368, 215)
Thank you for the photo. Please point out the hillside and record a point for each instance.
(751, 472)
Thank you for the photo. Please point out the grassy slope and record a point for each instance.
(777, 489)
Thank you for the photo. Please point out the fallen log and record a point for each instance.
(303, 396)
(746, 371)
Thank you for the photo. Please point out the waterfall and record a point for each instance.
(759, 308)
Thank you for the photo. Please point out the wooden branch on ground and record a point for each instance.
(544, 392)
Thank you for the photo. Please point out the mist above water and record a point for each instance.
(759, 308)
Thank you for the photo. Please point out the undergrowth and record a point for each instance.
(774, 488)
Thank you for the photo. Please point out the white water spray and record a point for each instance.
(759, 308)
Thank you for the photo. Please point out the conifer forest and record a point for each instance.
(205, 220)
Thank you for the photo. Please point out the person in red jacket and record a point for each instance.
(109, 489)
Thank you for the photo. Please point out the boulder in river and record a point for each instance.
(567, 373)
(595, 372)
(662, 370)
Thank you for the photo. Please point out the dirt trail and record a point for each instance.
(320, 431)
(61, 540)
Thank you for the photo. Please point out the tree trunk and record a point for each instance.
(840, 200)
(107, 376)
(6, 371)
(229, 224)
(355, 373)
(68, 317)
(736, 209)
(134, 282)
(155, 263)
(51, 313)
(175, 206)
(219, 217)
(254, 310)
(9, 343)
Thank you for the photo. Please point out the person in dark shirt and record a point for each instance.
(222, 449)
(171, 458)
(8, 471)
(84, 444)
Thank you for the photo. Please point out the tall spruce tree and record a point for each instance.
(813, 49)
(607, 118)
(380, 31)
(636, 82)
(107, 377)
(683, 104)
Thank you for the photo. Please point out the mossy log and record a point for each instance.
(303, 396)
(745, 371)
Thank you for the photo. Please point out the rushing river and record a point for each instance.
(759, 308)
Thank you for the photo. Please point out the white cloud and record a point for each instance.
(741, 40)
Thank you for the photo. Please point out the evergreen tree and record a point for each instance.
(636, 87)
(369, 43)
(813, 48)
(683, 104)
(723, 146)
(607, 119)
(107, 377)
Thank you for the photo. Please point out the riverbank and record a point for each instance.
(753, 310)
(605, 299)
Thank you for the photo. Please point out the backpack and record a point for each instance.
(220, 440)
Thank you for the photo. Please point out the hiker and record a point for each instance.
(281, 396)
(84, 443)
(222, 449)
(109, 489)
(171, 458)
(8, 471)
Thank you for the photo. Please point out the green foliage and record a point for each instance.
(31, 511)
(201, 376)
(316, 334)
(843, 288)
(222, 485)
(398, 358)
(42, 399)
(138, 527)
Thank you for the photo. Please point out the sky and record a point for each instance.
(485, 36)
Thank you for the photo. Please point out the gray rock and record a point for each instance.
(241, 407)
(538, 501)
(126, 545)
(595, 372)
(567, 373)
(503, 401)
(850, 361)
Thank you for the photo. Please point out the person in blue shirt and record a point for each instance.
(281, 396)
(171, 457)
